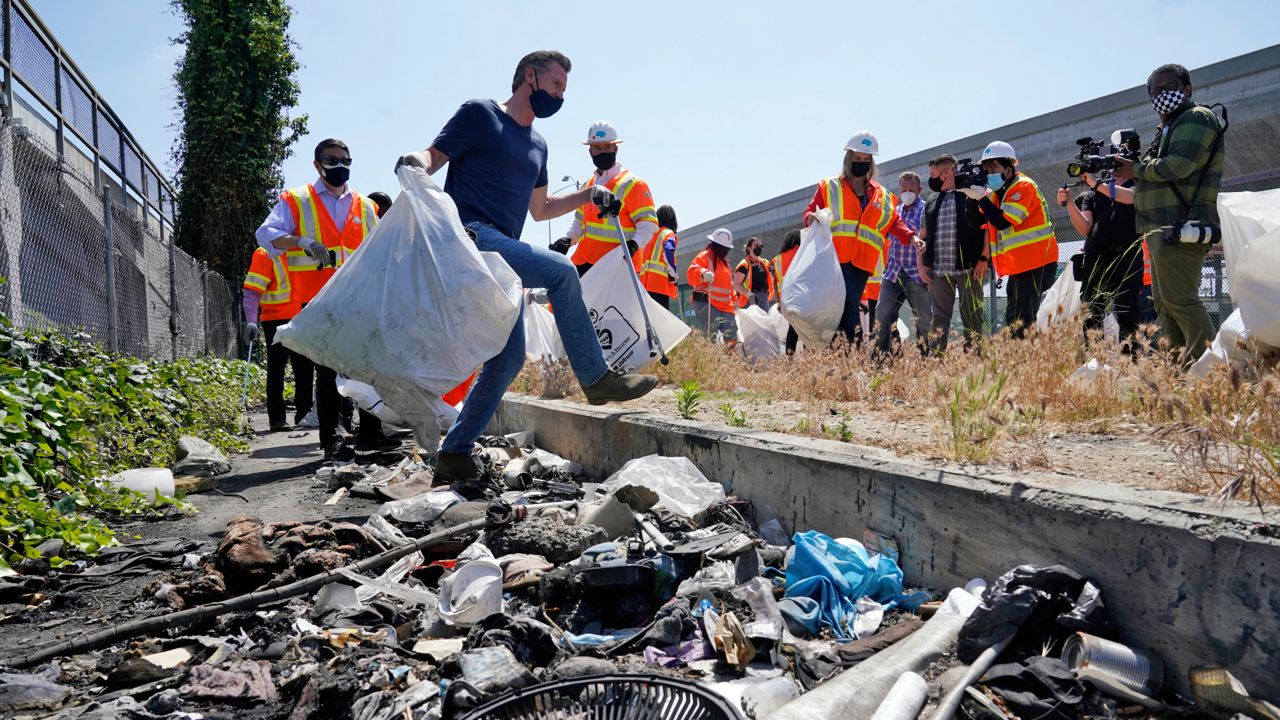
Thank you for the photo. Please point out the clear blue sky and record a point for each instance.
(720, 104)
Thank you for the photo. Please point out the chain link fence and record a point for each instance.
(75, 258)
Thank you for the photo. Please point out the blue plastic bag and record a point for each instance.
(836, 575)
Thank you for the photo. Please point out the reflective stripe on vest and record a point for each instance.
(280, 290)
(313, 221)
(603, 230)
(1031, 245)
(872, 236)
(656, 263)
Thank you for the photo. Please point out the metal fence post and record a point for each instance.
(173, 285)
(204, 301)
(113, 330)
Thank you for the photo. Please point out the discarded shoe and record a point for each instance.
(454, 469)
(619, 387)
(339, 451)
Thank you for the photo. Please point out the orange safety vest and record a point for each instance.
(650, 263)
(857, 232)
(312, 220)
(745, 266)
(782, 263)
(720, 290)
(600, 235)
(268, 277)
(872, 289)
(1030, 243)
(1146, 264)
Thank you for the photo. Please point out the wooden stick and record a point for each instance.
(170, 621)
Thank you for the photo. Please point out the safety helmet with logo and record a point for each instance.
(721, 236)
(602, 132)
(863, 141)
(999, 149)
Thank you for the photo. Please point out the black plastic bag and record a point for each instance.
(1041, 604)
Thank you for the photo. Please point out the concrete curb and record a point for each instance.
(1188, 580)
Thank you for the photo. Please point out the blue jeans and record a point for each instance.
(537, 267)
(855, 281)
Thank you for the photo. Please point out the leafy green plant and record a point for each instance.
(732, 415)
(688, 398)
(843, 430)
(71, 413)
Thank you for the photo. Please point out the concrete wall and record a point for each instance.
(1193, 582)
(1249, 85)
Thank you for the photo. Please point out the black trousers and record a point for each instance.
(1025, 291)
(663, 300)
(1116, 281)
(793, 339)
(583, 268)
(277, 357)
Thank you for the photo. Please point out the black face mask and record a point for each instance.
(604, 161)
(935, 184)
(337, 176)
(755, 251)
(859, 168)
(543, 103)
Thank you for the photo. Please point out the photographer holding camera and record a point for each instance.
(1111, 265)
(1176, 198)
(1026, 249)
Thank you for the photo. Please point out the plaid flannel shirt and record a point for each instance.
(1181, 149)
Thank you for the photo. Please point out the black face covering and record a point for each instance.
(337, 176)
(859, 168)
(935, 184)
(604, 161)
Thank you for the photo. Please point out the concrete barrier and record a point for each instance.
(1192, 582)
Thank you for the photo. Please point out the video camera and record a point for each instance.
(968, 174)
(1093, 159)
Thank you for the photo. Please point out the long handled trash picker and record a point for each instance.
(642, 296)
(248, 365)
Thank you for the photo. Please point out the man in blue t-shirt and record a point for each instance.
(497, 171)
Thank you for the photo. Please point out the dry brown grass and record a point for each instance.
(1002, 404)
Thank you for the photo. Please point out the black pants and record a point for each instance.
(793, 339)
(328, 404)
(855, 281)
(277, 357)
(583, 268)
(663, 300)
(1025, 290)
(1117, 281)
(304, 381)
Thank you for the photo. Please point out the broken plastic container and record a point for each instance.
(147, 481)
(679, 485)
(473, 591)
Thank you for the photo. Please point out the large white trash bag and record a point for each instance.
(615, 312)
(541, 339)
(414, 311)
(813, 288)
(758, 333)
(1255, 287)
(368, 399)
(1061, 301)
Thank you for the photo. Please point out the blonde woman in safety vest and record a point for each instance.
(597, 235)
(1024, 247)
(712, 284)
(316, 227)
(864, 217)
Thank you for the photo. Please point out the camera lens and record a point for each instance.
(1074, 169)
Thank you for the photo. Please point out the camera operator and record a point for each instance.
(1026, 249)
(1112, 258)
(1177, 187)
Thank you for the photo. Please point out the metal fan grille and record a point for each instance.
(609, 697)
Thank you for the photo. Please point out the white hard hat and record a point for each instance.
(602, 132)
(721, 236)
(863, 141)
(999, 149)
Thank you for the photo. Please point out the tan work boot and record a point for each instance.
(618, 387)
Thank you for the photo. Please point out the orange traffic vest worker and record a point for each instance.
(268, 303)
(655, 263)
(1024, 247)
(315, 228)
(712, 285)
(596, 234)
(864, 216)
(752, 281)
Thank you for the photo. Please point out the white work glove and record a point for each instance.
(414, 159)
(708, 276)
(974, 192)
(823, 215)
(316, 251)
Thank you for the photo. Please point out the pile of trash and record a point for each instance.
(533, 591)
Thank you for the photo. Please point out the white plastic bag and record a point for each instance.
(680, 486)
(541, 340)
(1226, 346)
(609, 291)
(758, 333)
(367, 399)
(421, 508)
(414, 311)
(1061, 301)
(813, 288)
(1255, 287)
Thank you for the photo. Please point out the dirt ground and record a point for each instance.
(1114, 452)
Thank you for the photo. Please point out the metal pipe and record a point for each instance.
(949, 704)
(659, 540)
